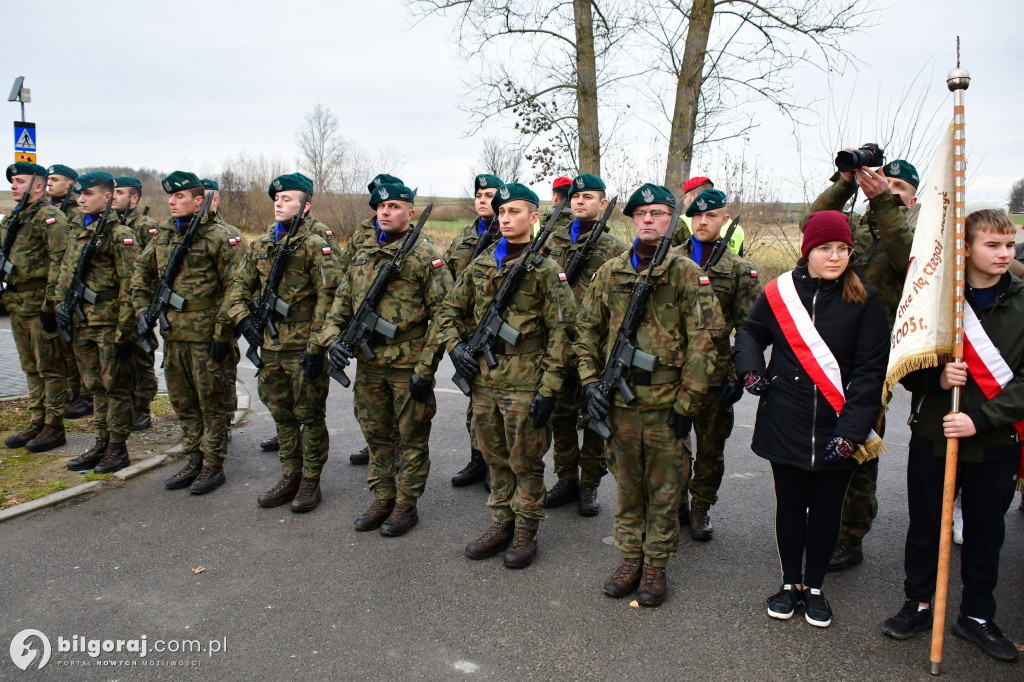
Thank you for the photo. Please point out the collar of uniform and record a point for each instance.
(623, 264)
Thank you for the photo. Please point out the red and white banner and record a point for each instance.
(813, 353)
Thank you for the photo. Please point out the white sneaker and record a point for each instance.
(958, 522)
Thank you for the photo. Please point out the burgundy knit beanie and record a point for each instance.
(825, 226)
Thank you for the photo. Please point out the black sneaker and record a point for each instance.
(908, 622)
(817, 612)
(783, 603)
(988, 637)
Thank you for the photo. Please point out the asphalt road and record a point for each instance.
(307, 597)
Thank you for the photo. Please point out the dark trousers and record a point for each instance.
(986, 491)
(808, 507)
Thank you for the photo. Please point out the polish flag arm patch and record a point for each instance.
(562, 277)
(753, 273)
(329, 233)
(51, 221)
(704, 279)
(326, 250)
(152, 230)
(437, 262)
(233, 241)
(128, 241)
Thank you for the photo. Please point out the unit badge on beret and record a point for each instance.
(11, 169)
(504, 193)
(77, 186)
(483, 182)
(277, 185)
(648, 195)
(383, 194)
(50, 170)
(579, 183)
(894, 168)
(167, 187)
(702, 205)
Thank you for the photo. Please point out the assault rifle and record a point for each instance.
(77, 291)
(492, 325)
(264, 307)
(489, 236)
(366, 321)
(579, 260)
(13, 227)
(65, 201)
(721, 245)
(625, 355)
(165, 297)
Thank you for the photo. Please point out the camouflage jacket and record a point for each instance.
(143, 226)
(882, 239)
(681, 325)
(412, 303)
(36, 256)
(239, 246)
(363, 231)
(685, 230)
(310, 278)
(543, 310)
(736, 287)
(560, 247)
(109, 275)
(73, 212)
(203, 280)
(458, 254)
(326, 233)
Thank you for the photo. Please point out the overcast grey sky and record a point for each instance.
(171, 86)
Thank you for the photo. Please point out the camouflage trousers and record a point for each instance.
(586, 464)
(143, 375)
(384, 407)
(107, 379)
(860, 506)
(469, 428)
(195, 385)
(45, 368)
(514, 451)
(72, 372)
(649, 464)
(712, 427)
(229, 374)
(299, 408)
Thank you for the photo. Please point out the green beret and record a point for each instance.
(512, 192)
(25, 168)
(904, 170)
(486, 181)
(291, 181)
(127, 181)
(61, 169)
(181, 180)
(209, 184)
(383, 179)
(708, 200)
(91, 179)
(587, 181)
(391, 192)
(649, 194)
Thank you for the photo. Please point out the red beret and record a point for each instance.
(826, 226)
(694, 183)
(561, 181)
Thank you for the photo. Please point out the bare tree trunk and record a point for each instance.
(684, 115)
(586, 89)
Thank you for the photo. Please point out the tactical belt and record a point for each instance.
(527, 345)
(416, 332)
(108, 295)
(639, 377)
(300, 316)
(201, 304)
(31, 285)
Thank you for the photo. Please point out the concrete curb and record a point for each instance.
(141, 467)
(49, 500)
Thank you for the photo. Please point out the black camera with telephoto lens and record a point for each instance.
(869, 154)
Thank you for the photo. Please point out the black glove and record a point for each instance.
(680, 423)
(63, 316)
(839, 449)
(312, 363)
(465, 363)
(340, 356)
(219, 351)
(123, 351)
(541, 409)
(49, 321)
(756, 383)
(142, 325)
(731, 393)
(419, 388)
(597, 402)
(247, 329)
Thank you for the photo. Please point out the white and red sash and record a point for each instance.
(987, 367)
(812, 352)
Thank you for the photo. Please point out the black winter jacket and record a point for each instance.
(794, 420)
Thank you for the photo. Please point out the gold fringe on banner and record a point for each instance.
(869, 451)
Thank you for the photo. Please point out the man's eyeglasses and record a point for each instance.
(655, 213)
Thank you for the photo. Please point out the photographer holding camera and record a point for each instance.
(882, 239)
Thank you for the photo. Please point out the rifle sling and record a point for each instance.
(529, 344)
(200, 304)
(639, 377)
(108, 295)
(416, 332)
(30, 285)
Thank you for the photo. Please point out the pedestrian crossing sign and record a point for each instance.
(27, 157)
(24, 137)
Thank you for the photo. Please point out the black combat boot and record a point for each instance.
(184, 478)
(79, 407)
(588, 505)
(270, 444)
(562, 492)
(361, 457)
(143, 419)
(114, 459)
(208, 480)
(472, 472)
(700, 523)
(375, 515)
(91, 457)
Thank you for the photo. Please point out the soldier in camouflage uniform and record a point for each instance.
(103, 341)
(30, 295)
(457, 257)
(513, 401)
(882, 239)
(393, 390)
(735, 285)
(198, 340)
(127, 194)
(649, 449)
(59, 186)
(579, 469)
(292, 382)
